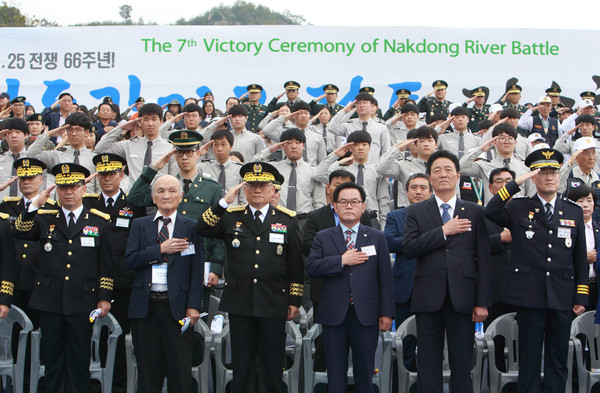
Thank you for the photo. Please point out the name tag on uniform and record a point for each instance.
(87, 241)
(369, 250)
(134, 155)
(159, 274)
(564, 233)
(276, 238)
(122, 222)
(191, 250)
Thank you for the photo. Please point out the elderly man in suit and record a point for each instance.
(357, 293)
(452, 287)
(167, 256)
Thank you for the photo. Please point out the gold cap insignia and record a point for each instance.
(548, 154)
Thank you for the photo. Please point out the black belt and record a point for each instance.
(159, 296)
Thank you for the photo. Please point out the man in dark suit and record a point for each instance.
(167, 256)
(75, 277)
(452, 287)
(357, 294)
(112, 200)
(264, 273)
(323, 218)
(57, 119)
(547, 280)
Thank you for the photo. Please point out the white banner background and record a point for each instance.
(165, 62)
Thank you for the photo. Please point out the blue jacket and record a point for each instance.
(404, 268)
(185, 274)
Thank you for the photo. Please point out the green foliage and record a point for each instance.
(243, 13)
(125, 12)
(11, 17)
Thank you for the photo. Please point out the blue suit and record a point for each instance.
(404, 268)
(355, 325)
(159, 346)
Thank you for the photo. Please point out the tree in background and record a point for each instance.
(10, 16)
(243, 13)
(125, 12)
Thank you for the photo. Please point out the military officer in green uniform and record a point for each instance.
(438, 103)
(403, 95)
(480, 110)
(330, 93)
(199, 193)
(256, 110)
(291, 93)
(511, 99)
(264, 273)
(112, 200)
(75, 278)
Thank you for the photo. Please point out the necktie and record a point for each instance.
(325, 133)
(222, 178)
(291, 196)
(461, 144)
(71, 223)
(445, 214)
(364, 126)
(506, 162)
(15, 184)
(148, 156)
(27, 204)
(360, 178)
(186, 185)
(110, 202)
(549, 212)
(349, 242)
(76, 153)
(164, 234)
(257, 220)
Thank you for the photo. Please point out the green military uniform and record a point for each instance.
(316, 108)
(431, 105)
(255, 112)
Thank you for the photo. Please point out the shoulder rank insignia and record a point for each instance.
(50, 201)
(287, 211)
(571, 202)
(237, 208)
(11, 199)
(208, 178)
(4, 216)
(61, 148)
(47, 211)
(91, 195)
(100, 214)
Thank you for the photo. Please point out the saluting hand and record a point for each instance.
(524, 177)
(163, 160)
(231, 194)
(43, 197)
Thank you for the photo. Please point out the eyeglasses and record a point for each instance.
(258, 184)
(548, 173)
(74, 129)
(187, 153)
(345, 202)
(508, 139)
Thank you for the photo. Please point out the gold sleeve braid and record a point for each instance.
(23, 226)
(296, 289)
(504, 194)
(583, 290)
(106, 283)
(210, 218)
(7, 288)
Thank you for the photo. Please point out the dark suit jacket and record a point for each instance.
(317, 220)
(370, 283)
(404, 268)
(500, 254)
(185, 277)
(459, 265)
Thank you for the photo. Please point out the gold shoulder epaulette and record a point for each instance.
(11, 199)
(4, 216)
(47, 211)
(100, 214)
(50, 201)
(91, 195)
(236, 208)
(287, 211)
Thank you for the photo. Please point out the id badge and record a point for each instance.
(159, 274)
(87, 241)
(191, 250)
(122, 222)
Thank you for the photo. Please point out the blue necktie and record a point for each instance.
(549, 212)
(445, 214)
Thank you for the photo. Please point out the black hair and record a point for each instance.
(365, 97)
(585, 119)
(359, 137)
(511, 113)
(437, 116)
(496, 171)
(151, 109)
(232, 98)
(105, 103)
(214, 111)
(581, 192)
(485, 124)
(459, 111)
(419, 175)
(341, 173)
(165, 115)
(78, 119)
(219, 134)
(442, 154)
(237, 154)
(506, 129)
(349, 185)
(192, 108)
(238, 110)
(293, 133)
(426, 132)
(407, 107)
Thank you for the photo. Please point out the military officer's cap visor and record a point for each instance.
(185, 139)
(68, 173)
(28, 167)
(108, 162)
(259, 172)
(544, 158)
